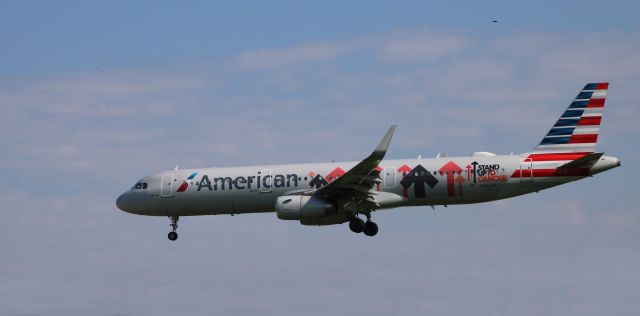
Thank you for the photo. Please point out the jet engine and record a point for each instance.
(297, 207)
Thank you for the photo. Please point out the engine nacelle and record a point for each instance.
(297, 207)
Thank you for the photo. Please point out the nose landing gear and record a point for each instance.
(369, 228)
(174, 224)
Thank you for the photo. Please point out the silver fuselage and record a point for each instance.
(458, 180)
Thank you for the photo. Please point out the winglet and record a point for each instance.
(381, 149)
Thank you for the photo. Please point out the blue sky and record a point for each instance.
(41, 37)
(95, 95)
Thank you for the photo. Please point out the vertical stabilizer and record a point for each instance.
(576, 131)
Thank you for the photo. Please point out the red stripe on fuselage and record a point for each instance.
(557, 156)
(575, 172)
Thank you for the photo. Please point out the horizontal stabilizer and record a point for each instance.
(584, 162)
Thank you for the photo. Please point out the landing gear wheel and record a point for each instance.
(370, 228)
(174, 225)
(356, 225)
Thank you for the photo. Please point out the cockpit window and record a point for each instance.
(140, 186)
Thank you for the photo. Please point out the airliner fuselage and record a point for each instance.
(429, 181)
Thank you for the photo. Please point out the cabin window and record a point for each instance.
(305, 178)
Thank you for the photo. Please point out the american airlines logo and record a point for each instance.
(240, 183)
(183, 187)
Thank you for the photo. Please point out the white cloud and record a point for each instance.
(396, 47)
(109, 95)
(274, 58)
(420, 47)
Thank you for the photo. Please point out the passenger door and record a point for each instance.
(166, 189)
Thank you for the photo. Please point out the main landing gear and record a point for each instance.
(174, 224)
(369, 228)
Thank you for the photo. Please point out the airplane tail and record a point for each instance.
(577, 129)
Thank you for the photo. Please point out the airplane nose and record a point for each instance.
(121, 202)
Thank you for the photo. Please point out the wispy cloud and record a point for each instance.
(111, 94)
(397, 47)
(309, 53)
(419, 47)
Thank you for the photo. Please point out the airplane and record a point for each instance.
(340, 192)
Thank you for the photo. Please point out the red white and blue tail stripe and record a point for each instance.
(577, 129)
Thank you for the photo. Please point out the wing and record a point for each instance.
(356, 185)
